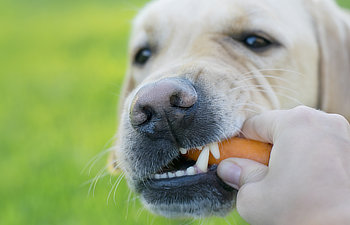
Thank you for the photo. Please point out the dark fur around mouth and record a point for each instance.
(146, 154)
(195, 196)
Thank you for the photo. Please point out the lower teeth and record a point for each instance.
(189, 172)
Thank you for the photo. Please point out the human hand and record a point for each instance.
(308, 177)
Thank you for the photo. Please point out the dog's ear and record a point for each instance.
(332, 29)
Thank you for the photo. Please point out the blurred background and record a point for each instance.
(61, 68)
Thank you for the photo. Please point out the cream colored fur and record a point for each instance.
(194, 39)
(312, 68)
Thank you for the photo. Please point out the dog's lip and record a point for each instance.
(204, 194)
(181, 182)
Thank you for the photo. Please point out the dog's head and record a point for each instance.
(200, 68)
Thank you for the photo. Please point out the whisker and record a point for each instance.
(153, 219)
(227, 221)
(283, 95)
(110, 192)
(90, 164)
(223, 134)
(90, 181)
(100, 156)
(116, 187)
(139, 212)
(265, 76)
(263, 86)
(282, 70)
(240, 130)
(93, 184)
(250, 110)
(128, 204)
(258, 106)
(102, 173)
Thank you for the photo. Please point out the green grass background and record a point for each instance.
(61, 68)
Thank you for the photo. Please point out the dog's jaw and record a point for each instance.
(215, 199)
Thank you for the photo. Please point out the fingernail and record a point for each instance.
(230, 173)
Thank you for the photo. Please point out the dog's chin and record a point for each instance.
(196, 196)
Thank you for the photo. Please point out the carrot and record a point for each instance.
(238, 148)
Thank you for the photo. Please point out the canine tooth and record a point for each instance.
(157, 176)
(163, 176)
(183, 151)
(191, 171)
(202, 161)
(171, 175)
(214, 149)
(180, 173)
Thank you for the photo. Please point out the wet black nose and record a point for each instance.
(164, 107)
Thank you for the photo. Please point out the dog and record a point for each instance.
(199, 68)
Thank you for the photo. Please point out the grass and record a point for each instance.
(62, 65)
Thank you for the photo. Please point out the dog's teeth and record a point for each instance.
(163, 176)
(183, 151)
(214, 149)
(157, 176)
(190, 171)
(171, 175)
(180, 173)
(202, 161)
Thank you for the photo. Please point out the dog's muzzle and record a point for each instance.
(166, 119)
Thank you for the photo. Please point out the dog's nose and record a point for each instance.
(163, 106)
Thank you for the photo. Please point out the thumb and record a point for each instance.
(237, 171)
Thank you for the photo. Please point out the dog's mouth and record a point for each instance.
(183, 165)
(187, 187)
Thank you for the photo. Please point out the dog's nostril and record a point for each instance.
(156, 103)
(140, 114)
(183, 99)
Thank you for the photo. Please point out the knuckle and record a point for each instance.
(303, 114)
(339, 121)
(303, 111)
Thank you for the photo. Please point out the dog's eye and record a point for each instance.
(256, 42)
(142, 56)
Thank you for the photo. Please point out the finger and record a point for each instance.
(263, 126)
(267, 126)
(236, 171)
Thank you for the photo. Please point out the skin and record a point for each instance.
(309, 170)
(303, 66)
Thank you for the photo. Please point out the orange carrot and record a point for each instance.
(238, 148)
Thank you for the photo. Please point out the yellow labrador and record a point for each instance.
(199, 68)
